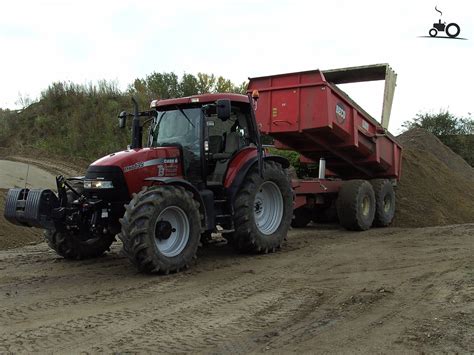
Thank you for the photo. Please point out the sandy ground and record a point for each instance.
(327, 290)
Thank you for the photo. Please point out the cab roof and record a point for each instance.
(204, 98)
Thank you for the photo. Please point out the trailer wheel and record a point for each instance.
(302, 217)
(76, 245)
(263, 210)
(161, 229)
(384, 202)
(356, 205)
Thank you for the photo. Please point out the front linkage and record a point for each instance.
(42, 208)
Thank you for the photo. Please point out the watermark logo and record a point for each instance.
(451, 30)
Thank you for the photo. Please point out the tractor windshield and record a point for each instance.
(180, 127)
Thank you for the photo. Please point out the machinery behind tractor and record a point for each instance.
(203, 169)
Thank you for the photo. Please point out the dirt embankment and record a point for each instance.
(35, 171)
(437, 185)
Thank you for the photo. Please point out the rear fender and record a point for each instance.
(203, 206)
(243, 169)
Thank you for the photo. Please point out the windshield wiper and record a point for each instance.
(184, 114)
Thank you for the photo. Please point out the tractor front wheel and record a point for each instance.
(263, 210)
(78, 245)
(161, 229)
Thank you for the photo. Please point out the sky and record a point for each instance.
(86, 41)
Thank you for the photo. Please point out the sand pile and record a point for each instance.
(437, 185)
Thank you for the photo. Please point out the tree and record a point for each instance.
(188, 85)
(163, 85)
(442, 124)
(205, 83)
(456, 132)
(224, 85)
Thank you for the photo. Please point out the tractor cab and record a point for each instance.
(210, 130)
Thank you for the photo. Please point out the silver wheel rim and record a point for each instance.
(387, 204)
(365, 205)
(178, 239)
(268, 208)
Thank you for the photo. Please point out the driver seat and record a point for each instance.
(232, 145)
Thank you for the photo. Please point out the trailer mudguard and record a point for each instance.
(205, 198)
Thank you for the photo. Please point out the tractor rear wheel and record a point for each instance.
(161, 229)
(74, 244)
(384, 202)
(356, 205)
(263, 210)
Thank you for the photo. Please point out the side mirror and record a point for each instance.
(122, 119)
(223, 109)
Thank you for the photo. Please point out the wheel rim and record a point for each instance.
(387, 204)
(268, 208)
(365, 205)
(171, 231)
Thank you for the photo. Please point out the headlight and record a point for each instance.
(98, 184)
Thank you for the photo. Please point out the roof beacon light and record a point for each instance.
(255, 95)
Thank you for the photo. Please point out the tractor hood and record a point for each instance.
(138, 164)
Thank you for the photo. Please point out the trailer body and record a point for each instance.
(307, 113)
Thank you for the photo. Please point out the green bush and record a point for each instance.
(456, 132)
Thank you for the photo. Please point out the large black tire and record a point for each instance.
(384, 202)
(302, 216)
(263, 210)
(75, 245)
(356, 205)
(148, 226)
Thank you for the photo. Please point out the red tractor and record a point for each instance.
(202, 166)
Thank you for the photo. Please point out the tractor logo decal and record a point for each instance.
(134, 166)
(340, 113)
(452, 29)
(151, 162)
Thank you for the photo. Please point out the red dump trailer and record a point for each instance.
(359, 160)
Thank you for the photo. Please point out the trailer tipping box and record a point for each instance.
(307, 113)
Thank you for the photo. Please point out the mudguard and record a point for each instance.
(234, 186)
(206, 207)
